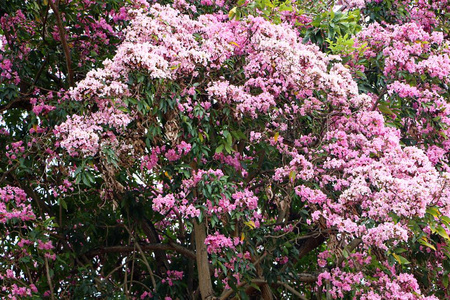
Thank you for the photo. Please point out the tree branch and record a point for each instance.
(23, 103)
(306, 277)
(258, 281)
(49, 279)
(292, 290)
(309, 245)
(150, 231)
(141, 251)
(145, 247)
(349, 247)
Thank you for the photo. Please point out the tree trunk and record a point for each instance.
(204, 277)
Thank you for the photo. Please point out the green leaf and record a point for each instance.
(219, 149)
(345, 253)
(446, 220)
(63, 203)
(25, 259)
(445, 280)
(400, 250)
(401, 260)
(90, 177)
(229, 140)
(385, 109)
(443, 135)
(228, 148)
(434, 211)
(85, 179)
(424, 242)
(441, 231)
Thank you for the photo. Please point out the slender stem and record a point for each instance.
(171, 246)
(49, 280)
(152, 277)
(228, 293)
(65, 46)
(292, 290)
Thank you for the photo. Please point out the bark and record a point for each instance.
(204, 277)
(160, 255)
(309, 245)
(266, 293)
(21, 103)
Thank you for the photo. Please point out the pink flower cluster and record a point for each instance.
(85, 136)
(382, 286)
(353, 173)
(13, 205)
(172, 276)
(218, 243)
(181, 149)
(410, 52)
(163, 204)
(387, 231)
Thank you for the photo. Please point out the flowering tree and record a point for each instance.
(222, 150)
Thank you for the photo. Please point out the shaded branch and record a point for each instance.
(145, 247)
(306, 277)
(23, 103)
(349, 247)
(258, 281)
(141, 251)
(150, 231)
(49, 279)
(65, 46)
(309, 245)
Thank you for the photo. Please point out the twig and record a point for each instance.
(65, 46)
(9, 170)
(49, 280)
(349, 248)
(228, 293)
(147, 247)
(152, 277)
(138, 282)
(292, 290)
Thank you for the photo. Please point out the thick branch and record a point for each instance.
(182, 250)
(43, 207)
(309, 245)
(292, 290)
(375, 104)
(23, 103)
(306, 277)
(266, 292)
(161, 259)
(141, 251)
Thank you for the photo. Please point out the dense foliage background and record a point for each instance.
(224, 150)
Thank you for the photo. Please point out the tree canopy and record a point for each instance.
(224, 149)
